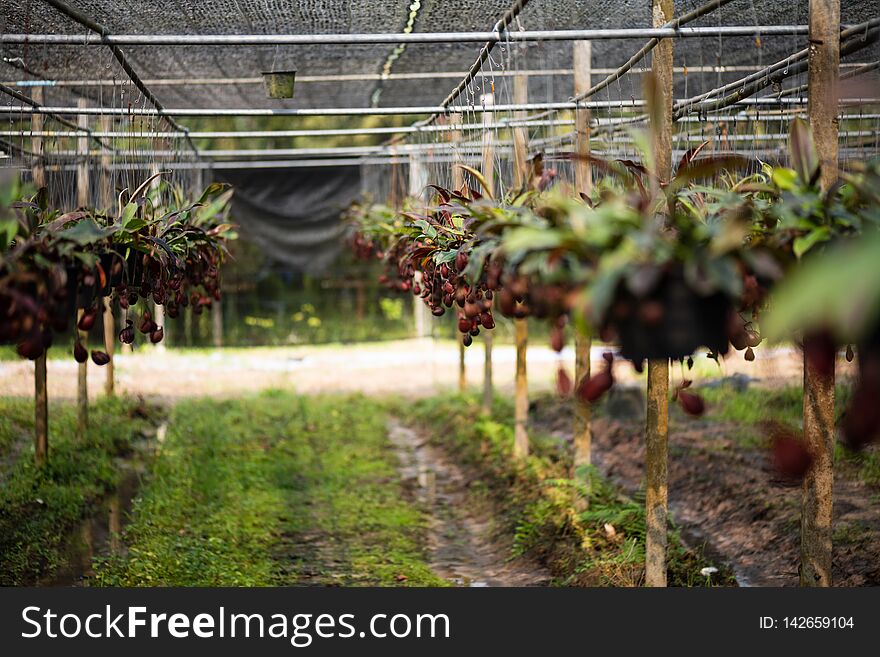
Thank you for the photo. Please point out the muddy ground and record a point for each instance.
(464, 545)
(724, 493)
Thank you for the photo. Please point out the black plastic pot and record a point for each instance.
(671, 321)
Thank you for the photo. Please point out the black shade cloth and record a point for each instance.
(294, 215)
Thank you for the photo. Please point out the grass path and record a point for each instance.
(274, 489)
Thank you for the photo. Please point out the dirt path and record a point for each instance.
(369, 368)
(462, 544)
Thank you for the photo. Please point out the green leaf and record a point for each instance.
(784, 179)
(804, 243)
(426, 228)
(128, 214)
(86, 232)
(803, 151)
(836, 291)
(520, 240)
(9, 227)
(135, 224)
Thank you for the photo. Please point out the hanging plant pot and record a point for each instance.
(279, 84)
(671, 321)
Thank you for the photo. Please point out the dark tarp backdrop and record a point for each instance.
(294, 215)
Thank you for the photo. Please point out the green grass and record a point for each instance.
(274, 489)
(753, 406)
(542, 502)
(38, 507)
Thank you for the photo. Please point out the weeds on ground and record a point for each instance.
(38, 507)
(273, 489)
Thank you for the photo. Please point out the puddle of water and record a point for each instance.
(99, 534)
(460, 543)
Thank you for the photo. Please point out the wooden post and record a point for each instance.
(82, 385)
(657, 420)
(188, 326)
(105, 192)
(583, 435)
(488, 171)
(41, 395)
(457, 182)
(158, 308)
(82, 200)
(521, 326)
(109, 346)
(217, 324)
(816, 500)
(520, 134)
(418, 180)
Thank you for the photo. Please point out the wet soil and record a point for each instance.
(724, 492)
(99, 535)
(464, 546)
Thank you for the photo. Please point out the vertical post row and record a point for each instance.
(41, 395)
(521, 381)
(657, 420)
(816, 501)
(583, 436)
(488, 171)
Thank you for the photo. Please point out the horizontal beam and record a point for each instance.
(271, 134)
(393, 38)
(383, 130)
(359, 161)
(381, 111)
(374, 77)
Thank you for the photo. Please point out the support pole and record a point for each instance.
(583, 435)
(457, 183)
(217, 324)
(41, 394)
(657, 420)
(488, 171)
(105, 192)
(521, 381)
(816, 501)
(82, 200)
(418, 181)
(158, 308)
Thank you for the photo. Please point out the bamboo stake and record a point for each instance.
(82, 201)
(583, 435)
(817, 491)
(488, 171)
(657, 420)
(521, 382)
(41, 394)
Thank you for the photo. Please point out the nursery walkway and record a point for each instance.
(415, 368)
(278, 489)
